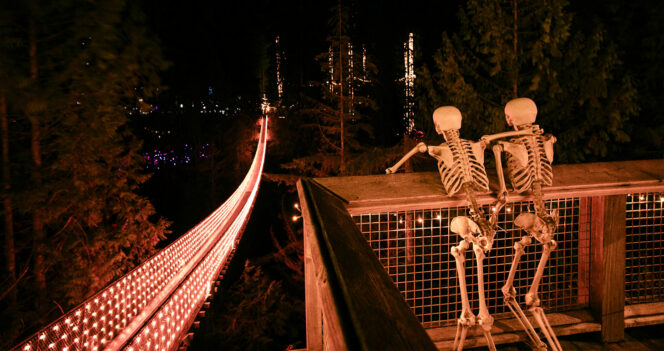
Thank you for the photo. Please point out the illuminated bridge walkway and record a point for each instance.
(154, 305)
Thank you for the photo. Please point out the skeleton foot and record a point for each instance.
(485, 321)
(534, 339)
(546, 329)
(510, 296)
(465, 321)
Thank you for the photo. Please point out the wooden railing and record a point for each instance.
(351, 303)
(406, 225)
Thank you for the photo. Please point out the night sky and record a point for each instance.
(218, 43)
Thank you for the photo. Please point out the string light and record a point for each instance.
(409, 84)
(162, 290)
(280, 82)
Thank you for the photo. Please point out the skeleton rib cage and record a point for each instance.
(536, 168)
(465, 167)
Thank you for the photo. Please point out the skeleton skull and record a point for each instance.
(520, 111)
(447, 118)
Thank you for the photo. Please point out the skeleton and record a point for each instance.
(461, 167)
(529, 157)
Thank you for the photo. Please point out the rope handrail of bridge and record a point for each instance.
(153, 306)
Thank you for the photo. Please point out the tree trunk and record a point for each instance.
(35, 139)
(515, 62)
(10, 251)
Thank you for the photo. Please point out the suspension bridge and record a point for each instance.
(155, 305)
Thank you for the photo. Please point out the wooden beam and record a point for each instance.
(607, 272)
(361, 308)
(412, 191)
(313, 311)
(509, 330)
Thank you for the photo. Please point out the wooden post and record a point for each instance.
(607, 272)
(584, 249)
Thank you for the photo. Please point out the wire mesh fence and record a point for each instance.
(644, 251)
(414, 247)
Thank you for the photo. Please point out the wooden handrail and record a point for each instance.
(412, 191)
(351, 302)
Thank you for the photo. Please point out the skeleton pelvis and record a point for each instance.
(542, 229)
(464, 226)
(470, 231)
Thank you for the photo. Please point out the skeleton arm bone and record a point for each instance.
(487, 139)
(497, 152)
(502, 193)
(421, 147)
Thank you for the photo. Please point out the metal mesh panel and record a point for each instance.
(644, 251)
(414, 247)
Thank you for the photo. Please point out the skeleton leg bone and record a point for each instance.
(510, 293)
(533, 301)
(484, 319)
(466, 319)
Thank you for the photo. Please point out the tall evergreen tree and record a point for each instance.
(532, 48)
(77, 66)
(337, 114)
(8, 41)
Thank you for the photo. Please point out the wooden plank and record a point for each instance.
(644, 320)
(313, 313)
(315, 281)
(644, 309)
(368, 311)
(509, 330)
(607, 296)
(424, 190)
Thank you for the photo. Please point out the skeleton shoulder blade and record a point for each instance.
(443, 153)
(478, 151)
(548, 148)
(517, 151)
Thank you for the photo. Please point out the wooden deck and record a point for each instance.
(650, 338)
